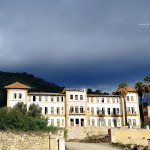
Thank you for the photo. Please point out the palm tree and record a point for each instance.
(147, 87)
(140, 87)
(122, 89)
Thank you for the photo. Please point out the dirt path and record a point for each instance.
(89, 146)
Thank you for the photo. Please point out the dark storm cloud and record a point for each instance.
(86, 43)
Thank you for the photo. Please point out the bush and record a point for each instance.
(17, 118)
(34, 110)
(3, 118)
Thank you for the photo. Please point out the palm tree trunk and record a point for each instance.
(126, 123)
(142, 115)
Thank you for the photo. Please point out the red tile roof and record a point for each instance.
(17, 85)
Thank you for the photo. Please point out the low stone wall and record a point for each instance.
(83, 132)
(43, 141)
(131, 136)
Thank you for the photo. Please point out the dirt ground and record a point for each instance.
(89, 146)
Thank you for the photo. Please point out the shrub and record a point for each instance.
(17, 118)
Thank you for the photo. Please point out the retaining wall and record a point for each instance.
(21, 141)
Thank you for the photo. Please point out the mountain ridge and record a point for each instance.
(36, 84)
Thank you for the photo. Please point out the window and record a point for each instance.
(82, 122)
(98, 122)
(58, 110)
(71, 109)
(46, 110)
(128, 110)
(132, 99)
(77, 122)
(52, 122)
(133, 110)
(81, 97)
(76, 109)
(92, 110)
(97, 110)
(88, 110)
(20, 96)
(108, 100)
(62, 122)
(97, 99)
(58, 122)
(103, 122)
(115, 122)
(93, 122)
(14, 95)
(52, 99)
(62, 99)
(114, 111)
(113, 100)
(52, 110)
(109, 122)
(102, 100)
(88, 99)
(34, 98)
(103, 111)
(117, 100)
(81, 109)
(91, 99)
(71, 96)
(46, 98)
(76, 97)
(89, 121)
(134, 122)
(127, 98)
(57, 98)
(62, 110)
(29, 98)
(39, 98)
(108, 111)
(117, 111)
(118, 122)
(71, 122)
(129, 121)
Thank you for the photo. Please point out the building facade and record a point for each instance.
(74, 107)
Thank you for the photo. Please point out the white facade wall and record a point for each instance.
(12, 100)
(49, 102)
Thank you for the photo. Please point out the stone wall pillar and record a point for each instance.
(61, 144)
(52, 142)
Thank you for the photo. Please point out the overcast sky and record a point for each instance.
(77, 43)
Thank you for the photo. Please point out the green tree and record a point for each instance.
(147, 80)
(3, 118)
(34, 110)
(122, 89)
(22, 107)
(140, 87)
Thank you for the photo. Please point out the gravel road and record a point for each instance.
(89, 146)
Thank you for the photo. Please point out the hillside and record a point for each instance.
(36, 84)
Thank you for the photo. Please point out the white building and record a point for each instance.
(74, 107)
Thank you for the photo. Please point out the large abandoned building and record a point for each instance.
(74, 107)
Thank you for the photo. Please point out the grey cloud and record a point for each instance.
(99, 39)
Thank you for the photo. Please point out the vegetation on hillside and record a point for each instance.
(90, 91)
(36, 84)
(19, 119)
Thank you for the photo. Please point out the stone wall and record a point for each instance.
(131, 136)
(83, 132)
(43, 141)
